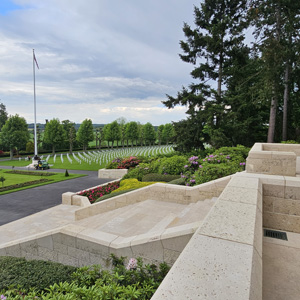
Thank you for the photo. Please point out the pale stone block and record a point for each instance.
(268, 203)
(120, 202)
(176, 243)
(241, 195)
(231, 221)
(82, 213)
(273, 190)
(152, 250)
(125, 252)
(68, 240)
(292, 192)
(112, 173)
(45, 242)
(122, 242)
(92, 247)
(260, 154)
(185, 229)
(98, 237)
(60, 248)
(13, 250)
(288, 207)
(281, 222)
(67, 198)
(210, 268)
(2, 252)
(30, 247)
(99, 260)
(78, 253)
(258, 232)
(67, 260)
(47, 254)
(243, 182)
(170, 256)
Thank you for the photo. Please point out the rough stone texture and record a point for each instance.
(210, 268)
(112, 173)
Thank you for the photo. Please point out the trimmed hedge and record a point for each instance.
(31, 173)
(159, 177)
(179, 181)
(32, 274)
(20, 185)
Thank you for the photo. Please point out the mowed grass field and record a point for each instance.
(13, 179)
(92, 160)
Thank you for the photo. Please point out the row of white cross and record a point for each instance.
(105, 156)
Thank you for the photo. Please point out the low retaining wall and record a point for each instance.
(160, 192)
(78, 246)
(112, 173)
(281, 202)
(273, 159)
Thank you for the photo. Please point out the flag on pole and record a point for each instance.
(35, 61)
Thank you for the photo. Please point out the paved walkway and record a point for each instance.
(20, 204)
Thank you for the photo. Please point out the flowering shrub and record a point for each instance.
(133, 183)
(172, 165)
(132, 264)
(216, 165)
(95, 193)
(124, 163)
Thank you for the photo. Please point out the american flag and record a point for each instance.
(35, 60)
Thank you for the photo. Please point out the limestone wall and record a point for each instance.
(273, 159)
(112, 173)
(158, 191)
(78, 246)
(223, 259)
(281, 202)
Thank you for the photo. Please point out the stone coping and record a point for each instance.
(223, 259)
(273, 159)
(112, 173)
(71, 243)
(157, 191)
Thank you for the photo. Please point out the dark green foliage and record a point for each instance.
(173, 165)
(32, 274)
(215, 171)
(30, 173)
(159, 177)
(138, 172)
(134, 281)
(179, 181)
(2, 179)
(24, 184)
(67, 173)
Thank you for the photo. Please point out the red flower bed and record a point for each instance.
(128, 163)
(94, 194)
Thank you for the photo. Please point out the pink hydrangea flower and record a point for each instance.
(132, 264)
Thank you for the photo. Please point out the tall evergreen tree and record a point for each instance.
(85, 133)
(219, 30)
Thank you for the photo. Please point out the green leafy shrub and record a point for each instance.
(133, 281)
(179, 181)
(173, 165)
(138, 172)
(24, 184)
(133, 183)
(214, 171)
(67, 173)
(32, 274)
(289, 142)
(159, 177)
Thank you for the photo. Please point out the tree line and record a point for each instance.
(242, 92)
(15, 136)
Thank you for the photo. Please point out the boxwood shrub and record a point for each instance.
(32, 274)
(159, 177)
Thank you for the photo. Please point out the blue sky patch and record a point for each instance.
(7, 6)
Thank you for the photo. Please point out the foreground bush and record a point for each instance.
(159, 177)
(173, 165)
(133, 281)
(34, 274)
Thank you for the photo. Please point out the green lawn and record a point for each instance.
(12, 179)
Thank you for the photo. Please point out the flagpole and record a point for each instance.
(35, 135)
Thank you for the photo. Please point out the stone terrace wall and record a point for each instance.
(273, 159)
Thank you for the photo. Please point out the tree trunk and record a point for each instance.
(53, 150)
(285, 101)
(272, 119)
(11, 154)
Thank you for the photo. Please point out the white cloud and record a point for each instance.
(99, 59)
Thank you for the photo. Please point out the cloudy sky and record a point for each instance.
(98, 59)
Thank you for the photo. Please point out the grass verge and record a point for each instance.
(17, 181)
